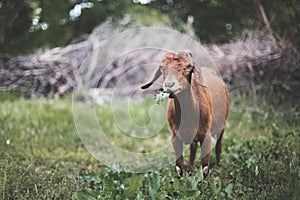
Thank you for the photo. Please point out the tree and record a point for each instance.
(47, 23)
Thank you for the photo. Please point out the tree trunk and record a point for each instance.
(265, 22)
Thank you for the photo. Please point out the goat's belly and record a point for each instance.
(218, 93)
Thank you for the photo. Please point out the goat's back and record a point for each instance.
(219, 98)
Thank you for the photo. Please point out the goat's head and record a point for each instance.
(176, 69)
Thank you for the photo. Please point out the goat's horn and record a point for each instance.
(189, 52)
(155, 76)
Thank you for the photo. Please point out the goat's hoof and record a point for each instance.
(178, 171)
(205, 171)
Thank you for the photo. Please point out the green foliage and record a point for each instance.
(154, 185)
(13, 24)
(283, 15)
(160, 96)
(218, 21)
(146, 16)
(38, 24)
(134, 185)
(250, 170)
(42, 156)
(19, 34)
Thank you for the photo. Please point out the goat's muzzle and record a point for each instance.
(172, 95)
(172, 92)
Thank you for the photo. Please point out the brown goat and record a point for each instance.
(197, 108)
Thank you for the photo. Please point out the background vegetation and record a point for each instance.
(27, 25)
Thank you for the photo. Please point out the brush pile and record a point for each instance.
(256, 62)
(253, 61)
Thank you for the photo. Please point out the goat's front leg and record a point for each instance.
(178, 149)
(193, 150)
(205, 154)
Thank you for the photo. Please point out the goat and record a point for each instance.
(198, 107)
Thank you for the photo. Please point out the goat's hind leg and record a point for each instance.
(219, 147)
(205, 154)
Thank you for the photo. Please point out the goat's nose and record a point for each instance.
(169, 84)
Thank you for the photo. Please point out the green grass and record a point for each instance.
(42, 156)
(40, 151)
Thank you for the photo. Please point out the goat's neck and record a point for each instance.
(188, 114)
(184, 101)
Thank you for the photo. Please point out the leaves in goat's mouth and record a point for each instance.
(160, 96)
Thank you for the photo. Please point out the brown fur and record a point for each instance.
(198, 95)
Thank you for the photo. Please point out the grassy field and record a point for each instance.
(42, 156)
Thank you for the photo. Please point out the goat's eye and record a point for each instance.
(189, 68)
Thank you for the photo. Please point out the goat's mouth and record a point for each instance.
(172, 92)
(172, 96)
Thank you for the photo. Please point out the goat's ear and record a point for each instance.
(155, 76)
(199, 76)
